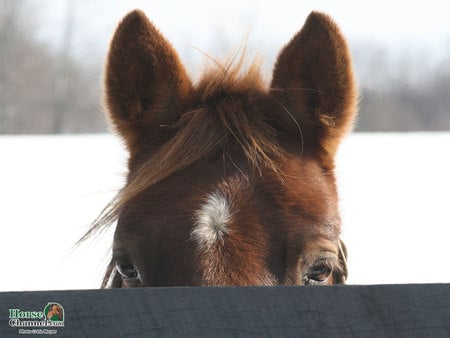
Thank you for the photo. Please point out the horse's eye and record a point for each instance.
(318, 274)
(127, 270)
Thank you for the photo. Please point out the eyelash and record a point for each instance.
(319, 273)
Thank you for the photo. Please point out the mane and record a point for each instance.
(205, 130)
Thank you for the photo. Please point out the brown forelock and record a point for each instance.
(227, 113)
(313, 78)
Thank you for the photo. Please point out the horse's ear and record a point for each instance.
(145, 82)
(313, 81)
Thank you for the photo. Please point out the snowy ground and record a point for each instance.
(394, 201)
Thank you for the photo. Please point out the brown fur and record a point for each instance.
(269, 150)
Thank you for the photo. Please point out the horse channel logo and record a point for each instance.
(51, 316)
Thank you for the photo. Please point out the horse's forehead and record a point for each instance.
(306, 195)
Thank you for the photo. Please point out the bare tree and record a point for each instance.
(63, 72)
(43, 91)
(9, 34)
(402, 93)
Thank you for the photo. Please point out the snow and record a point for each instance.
(395, 202)
(51, 188)
(394, 199)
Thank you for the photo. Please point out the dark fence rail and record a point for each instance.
(338, 311)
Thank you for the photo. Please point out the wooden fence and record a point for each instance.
(337, 311)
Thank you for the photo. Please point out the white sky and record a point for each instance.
(207, 25)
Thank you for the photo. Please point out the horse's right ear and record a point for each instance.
(145, 82)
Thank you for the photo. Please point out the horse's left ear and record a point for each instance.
(314, 83)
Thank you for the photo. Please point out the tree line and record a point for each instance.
(48, 91)
(43, 91)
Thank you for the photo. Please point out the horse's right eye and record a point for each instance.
(127, 270)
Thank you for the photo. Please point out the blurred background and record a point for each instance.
(59, 166)
(52, 54)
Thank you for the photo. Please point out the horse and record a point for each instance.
(55, 312)
(230, 180)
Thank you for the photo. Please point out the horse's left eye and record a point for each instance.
(318, 274)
